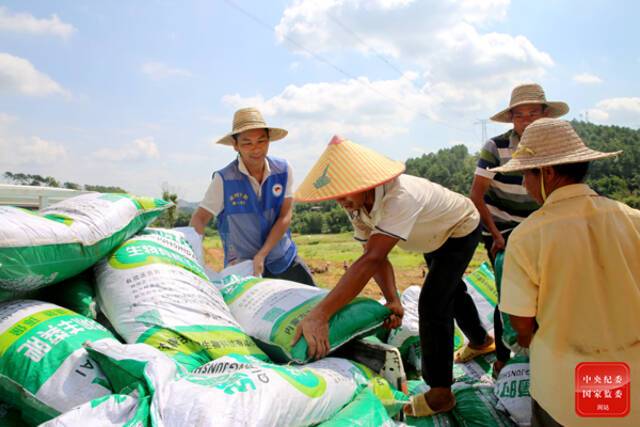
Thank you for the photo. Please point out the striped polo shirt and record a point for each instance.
(506, 198)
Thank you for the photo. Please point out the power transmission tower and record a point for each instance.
(483, 122)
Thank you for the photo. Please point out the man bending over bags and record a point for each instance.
(387, 207)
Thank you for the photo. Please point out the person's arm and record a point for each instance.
(386, 280)
(524, 327)
(213, 203)
(315, 326)
(479, 188)
(277, 231)
(200, 219)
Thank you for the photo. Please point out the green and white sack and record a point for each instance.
(195, 241)
(407, 337)
(114, 410)
(270, 309)
(39, 249)
(365, 410)
(233, 390)
(44, 370)
(509, 335)
(476, 406)
(481, 285)
(78, 294)
(512, 390)
(153, 291)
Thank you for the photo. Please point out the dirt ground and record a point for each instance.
(327, 273)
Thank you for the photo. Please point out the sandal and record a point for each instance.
(418, 407)
(466, 353)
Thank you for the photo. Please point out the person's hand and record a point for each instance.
(258, 265)
(397, 312)
(498, 245)
(315, 330)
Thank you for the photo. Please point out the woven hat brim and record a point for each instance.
(554, 110)
(275, 134)
(522, 164)
(346, 168)
(321, 198)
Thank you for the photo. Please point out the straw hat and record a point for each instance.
(346, 168)
(549, 142)
(247, 119)
(530, 94)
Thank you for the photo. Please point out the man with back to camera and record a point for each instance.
(571, 281)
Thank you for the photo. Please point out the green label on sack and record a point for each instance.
(232, 292)
(138, 253)
(214, 341)
(39, 344)
(483, 280)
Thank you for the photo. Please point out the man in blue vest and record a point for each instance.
(252, 201)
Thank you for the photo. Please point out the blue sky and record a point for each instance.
(136, 93)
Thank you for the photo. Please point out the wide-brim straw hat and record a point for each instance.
(550, 142)
(248, 119)
(530, 94)
(346, 168)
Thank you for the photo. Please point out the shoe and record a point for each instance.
(466, 353)
(418, 407)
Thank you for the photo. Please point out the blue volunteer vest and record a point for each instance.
(246, 220)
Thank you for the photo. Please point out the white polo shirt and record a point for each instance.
(422, 214)
(213, 200)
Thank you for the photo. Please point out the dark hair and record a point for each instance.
(574, 171)
(235, 135)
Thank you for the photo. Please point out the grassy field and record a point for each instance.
(328, 255)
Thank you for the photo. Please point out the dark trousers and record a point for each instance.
(502, 351)
(540, 417)
(444, 297)
(297, 272)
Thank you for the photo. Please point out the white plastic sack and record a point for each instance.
(234, 390)
(407, 337)
(38, 249)
(44, 370)
(195, 241)
(153, 291)
(114, 410)
(270, 309)
(512, 390)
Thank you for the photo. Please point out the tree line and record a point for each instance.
(453, 167)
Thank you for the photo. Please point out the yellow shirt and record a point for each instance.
(421, 213)
(574, 265)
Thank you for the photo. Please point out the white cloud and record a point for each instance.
(41, 151)
(464, 69)
(160, 71)
(26, 23)
(617, 111)
(357, 107)
(18, 151)
(19, 75)
(139, 149)
(587, 79)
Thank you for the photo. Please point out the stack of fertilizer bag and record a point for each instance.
(159, 343)
(482, 400)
